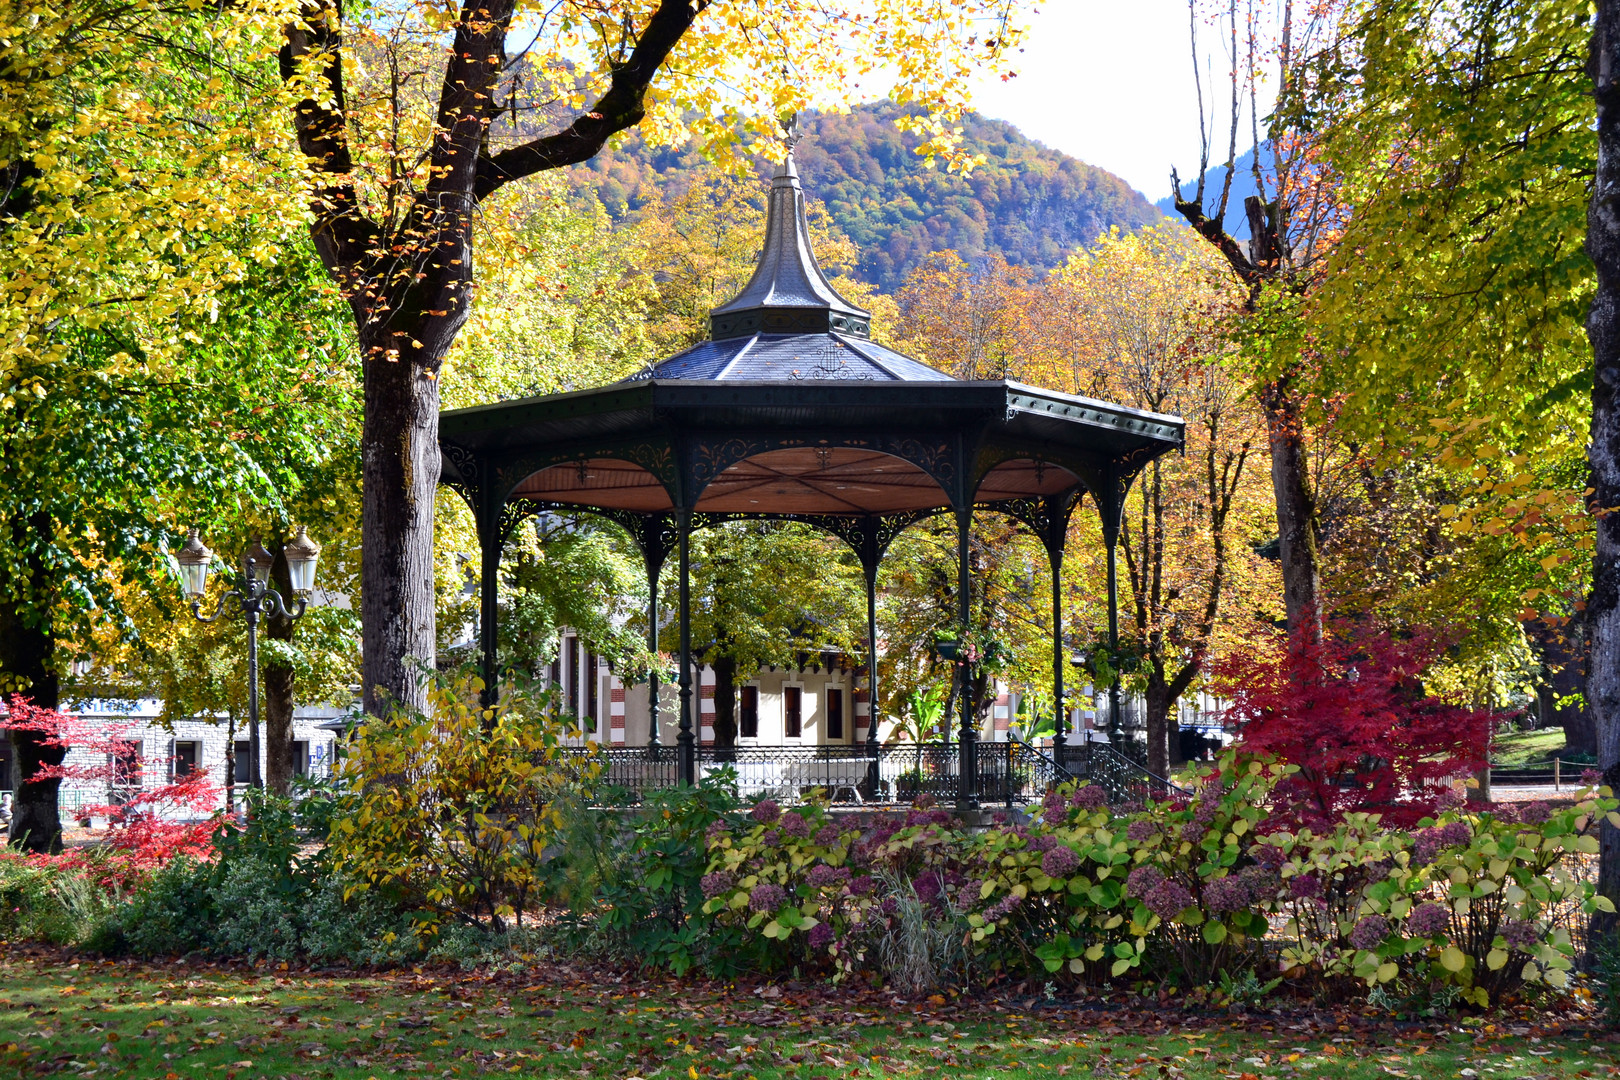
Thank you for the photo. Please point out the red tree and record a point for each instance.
(155, 823)
(1352, 712)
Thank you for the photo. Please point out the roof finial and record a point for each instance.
(788, 293)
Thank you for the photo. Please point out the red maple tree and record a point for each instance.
(1353, 713)
(151, 824)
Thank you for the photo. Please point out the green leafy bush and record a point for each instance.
(170, 914)
(49, 900)
(633, 880)
(262, 897)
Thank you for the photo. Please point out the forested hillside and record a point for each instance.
(1027, 203)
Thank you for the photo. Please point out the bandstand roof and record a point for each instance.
(789, 408)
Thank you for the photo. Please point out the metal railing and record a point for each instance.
(1123, 779)
(1010, 773)
(1556, 774)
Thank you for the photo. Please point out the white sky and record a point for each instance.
(1109, 82)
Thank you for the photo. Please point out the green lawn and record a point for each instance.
(1524, 747)
(178, 1021)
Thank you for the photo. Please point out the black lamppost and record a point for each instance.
(252, 597)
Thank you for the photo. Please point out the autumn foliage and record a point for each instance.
(153, 824)
(1352, 712)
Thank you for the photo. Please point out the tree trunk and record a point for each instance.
(278, 688)
(725, 702)
(400, 456)
(1562, 652)
(1157, 721)
(27, 656)
(1296, 511)
(1603, 454)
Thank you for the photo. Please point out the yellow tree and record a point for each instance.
(146, 194)
(1137, 319)
(970, 321)
(446, 117)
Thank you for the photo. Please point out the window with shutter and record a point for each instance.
(792, 711)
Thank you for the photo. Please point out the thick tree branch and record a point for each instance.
(1214, 231)
(621, 107)
(345, 238)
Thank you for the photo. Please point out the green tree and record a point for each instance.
(575, 571)
(1449, 321)
(113, 412)
(765, 594)
(118, 446)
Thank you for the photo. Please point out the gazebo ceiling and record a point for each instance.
(836, 481)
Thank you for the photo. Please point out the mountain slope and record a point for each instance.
(1027, 203)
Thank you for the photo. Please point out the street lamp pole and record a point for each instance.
(254, 598)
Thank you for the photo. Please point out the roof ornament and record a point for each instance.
(788, 293)
(790, 132)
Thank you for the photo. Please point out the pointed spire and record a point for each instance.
(788, 293)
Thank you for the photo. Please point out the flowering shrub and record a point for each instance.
(1186, 890)
(786, 873)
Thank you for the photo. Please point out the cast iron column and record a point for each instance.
(1115, 728)
(967, 737)
(871, 658)
(1054, 555)
(489, 568)
(873, 773)
(250, 612)
(685, 741)
(653, 567)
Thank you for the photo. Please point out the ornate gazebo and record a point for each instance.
(789, 411)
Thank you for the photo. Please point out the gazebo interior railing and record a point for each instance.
(1011, 773)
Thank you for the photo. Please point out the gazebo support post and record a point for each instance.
(685, 740)
(1111, 537)
(490, 537)
(870, 567)
(489, 568)
(967, 794)
(655, 563)
(1060, 715)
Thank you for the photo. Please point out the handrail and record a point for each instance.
(1125, 779)
(1013, 771)
(1038, 752)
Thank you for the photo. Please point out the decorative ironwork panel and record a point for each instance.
(466, 483)
(1047, 516)
(1122, 780)
(514, 513)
